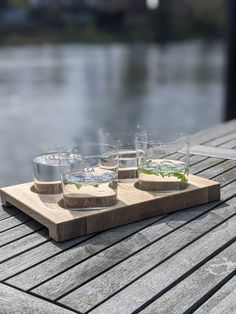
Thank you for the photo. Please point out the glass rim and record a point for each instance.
(45, 154)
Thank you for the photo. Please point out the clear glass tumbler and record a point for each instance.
(90, 177)
(127, 159)
(163, 167)
(47, 169)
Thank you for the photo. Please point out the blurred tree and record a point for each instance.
(210, 15)
(19, 3)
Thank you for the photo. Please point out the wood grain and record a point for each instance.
(205, 164)
(19, 232)
(214, 132)
(220, 141)
(214, 170)
(211, 151)
(230, 144)
(20, 245)
(198, 284)
(46, 270)
(6, 212)
(106, 262)
(13, 301)
(36, 255)
(13, 221)
(212, 303)
(151, 283)
(63, 283)
(133, 205)
(67, 259)
(227, 305)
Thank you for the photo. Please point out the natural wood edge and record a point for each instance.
(103, 220)
(3, 197)
(214, 192)
(69, 229)
(9, 199)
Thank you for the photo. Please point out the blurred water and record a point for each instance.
(52, 95)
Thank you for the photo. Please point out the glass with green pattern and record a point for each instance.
(163, 167)
(90, 177)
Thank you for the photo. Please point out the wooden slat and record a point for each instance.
(194, 159)
(13, 301)
(76, 276)
(205, 164)
(230, 144)
(211, 151)
(153, 282)
(35, 256)
(214, 132)
(212, 303)
(175, 240)
(52, 267)
(222, 140)
(67, 259)
(198, 284)
(13, 221)
(22, 244)
(214, 170)
(19, 231)
(228, 305)
(225, 177)
(6, 212)
(133, 205)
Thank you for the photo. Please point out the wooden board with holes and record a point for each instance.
(132, 205)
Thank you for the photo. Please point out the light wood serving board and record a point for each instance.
(132, 205)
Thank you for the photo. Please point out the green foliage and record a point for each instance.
(165, 169)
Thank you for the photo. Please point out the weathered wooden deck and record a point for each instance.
(177, 263)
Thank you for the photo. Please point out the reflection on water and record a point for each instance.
(56, 94)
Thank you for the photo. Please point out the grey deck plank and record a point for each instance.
(19, 231)
(76, 275)
(35, 256)
(13, 221)
(214, 132)
(230, 144)
(215, 152)
(67, 259)
(13, 301)
(205, 164)
(212, 303)
(214, 170)
(23, 244)
(228, 305)
(198, 284)
(222, 140)
(196, 159)
(154, 281)
(225, 177)
(61, 262)
(6, 212)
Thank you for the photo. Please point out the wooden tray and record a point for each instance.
(132, 205)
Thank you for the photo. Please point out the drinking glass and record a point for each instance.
(90, 176)
(163, 167)
(47, 169)
(127, 159)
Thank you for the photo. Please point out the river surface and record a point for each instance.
(52, 95)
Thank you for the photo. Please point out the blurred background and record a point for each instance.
(72, 69)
